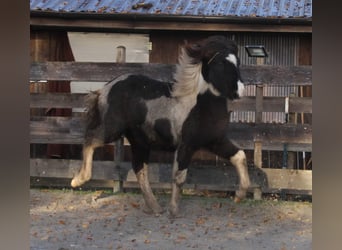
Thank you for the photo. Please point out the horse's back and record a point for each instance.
(139, 87)
(126, 103)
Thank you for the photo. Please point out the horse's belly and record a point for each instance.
(166, 117)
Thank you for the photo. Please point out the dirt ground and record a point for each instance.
(66, 219)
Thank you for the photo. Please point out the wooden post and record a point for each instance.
(291, 159)
(301, 94)
(258, 119)
(119, 144)
(291, 156)
(257, 193)
(259, 95)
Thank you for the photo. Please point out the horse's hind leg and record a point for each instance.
(139, 163)
(238, 158)
(179, 173)
(84, 174)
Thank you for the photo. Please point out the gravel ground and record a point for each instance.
(66, 219)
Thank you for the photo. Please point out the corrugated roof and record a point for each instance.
(210, 8)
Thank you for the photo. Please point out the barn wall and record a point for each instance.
(166, 44)
(285, 49)
(46, 45)
(305, 49)
(305, 58)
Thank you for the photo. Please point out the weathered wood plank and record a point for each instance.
(56, 138)
(288, 179)
(48, 124)
(249, 145)
(300, 104)
(274, 146)
(98, 72)
(63, 168)
(59, 130)
(70, 131)
(103, 72)
(57, 100)
(277, 75)
(283, 133)
(52, 182)
(220, 178)
(271, 104)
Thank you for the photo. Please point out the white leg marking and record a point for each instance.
(239, 161)
(178, 178)
(149, 198)
(85, 172)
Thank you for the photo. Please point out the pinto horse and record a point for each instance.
(182, 116)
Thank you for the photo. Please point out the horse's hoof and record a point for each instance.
(239, 195)
(159, 212)
(237, 199)
(173, 212)
(156, 212)
(147, 210)
(75, 182)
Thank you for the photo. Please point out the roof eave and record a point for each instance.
(307, 21)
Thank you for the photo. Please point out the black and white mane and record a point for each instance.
(181, 116)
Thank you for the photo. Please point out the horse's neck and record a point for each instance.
(187, 77)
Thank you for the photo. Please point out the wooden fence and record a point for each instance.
(253, 136)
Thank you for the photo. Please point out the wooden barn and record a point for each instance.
(153, 32)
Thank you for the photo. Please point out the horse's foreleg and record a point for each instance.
(237, 157)
(240, 163)
(84, 174)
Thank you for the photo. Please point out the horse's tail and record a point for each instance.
(93, 117)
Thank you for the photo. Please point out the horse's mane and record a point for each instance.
(187, 75)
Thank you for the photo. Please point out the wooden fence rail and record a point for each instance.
(271, 104)
(69, 130)
(103, 72)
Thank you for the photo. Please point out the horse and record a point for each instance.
(182, 116)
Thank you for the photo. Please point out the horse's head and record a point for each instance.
(220, 65)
